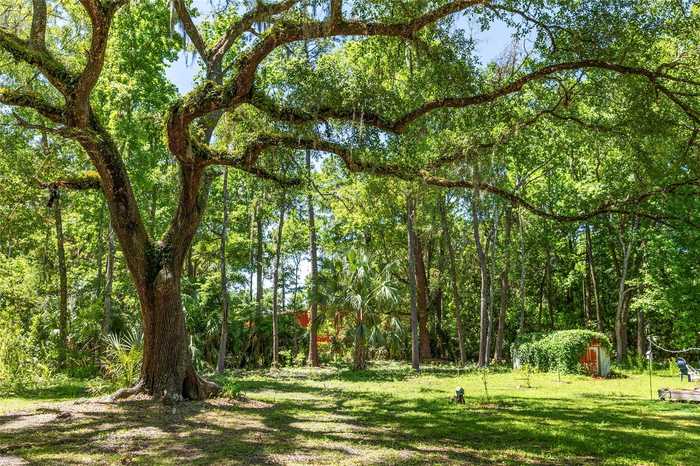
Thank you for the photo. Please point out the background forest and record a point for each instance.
(598, 227)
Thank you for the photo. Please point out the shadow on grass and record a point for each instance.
(308, 424)
(62, 390)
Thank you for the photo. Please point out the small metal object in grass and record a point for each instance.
(459, 395)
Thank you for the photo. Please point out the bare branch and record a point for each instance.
(191, 29)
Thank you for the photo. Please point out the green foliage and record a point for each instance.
(231, 388)
(122, 357)
(18, 369)
(557, 351)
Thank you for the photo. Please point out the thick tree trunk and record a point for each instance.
(415, 345)
(485, 278)
(167, 372)
(422, 299)
(223, 338)
(109, 279)
(457, 302)
(275, 285)
(505, 288)
(313, 358)
(63, 279)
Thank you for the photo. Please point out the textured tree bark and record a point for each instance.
(313, 358)
(415, 346)
(505, 287)
(422, 299)
(167, 372)
(457, 302)
(223, 338)
(62, 277)
(109, 279)
(275, 285)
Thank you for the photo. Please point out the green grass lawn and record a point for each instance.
(386, 415)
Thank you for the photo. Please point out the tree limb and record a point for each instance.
(37, 34)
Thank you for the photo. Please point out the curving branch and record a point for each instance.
(101, 16)
(235, 30)
(355, 165)
(399, 125)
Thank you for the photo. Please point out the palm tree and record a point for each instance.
(365, 288)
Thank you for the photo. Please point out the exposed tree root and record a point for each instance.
(128, 392)
(194, 388)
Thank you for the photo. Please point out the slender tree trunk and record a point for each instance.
(259, 261)
(505, 288)
(153, 208)
(100, 248)
(490, 257)
(485, 278)
(422, 299)
(641, 338)
(109, 280)
(313, 358)
(548, 273)
(415, 346)
(621, 312)
(275, 284)
(457, 302)
(223, 339)
(251, 258)
(521, 319)
(594, 280)
(63, 279)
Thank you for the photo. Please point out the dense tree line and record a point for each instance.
(351, 159)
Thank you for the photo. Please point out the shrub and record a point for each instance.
(231, 389)
(557, 351)
(122, 359)
(16, 364)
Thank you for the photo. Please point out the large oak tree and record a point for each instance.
(601, 42)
